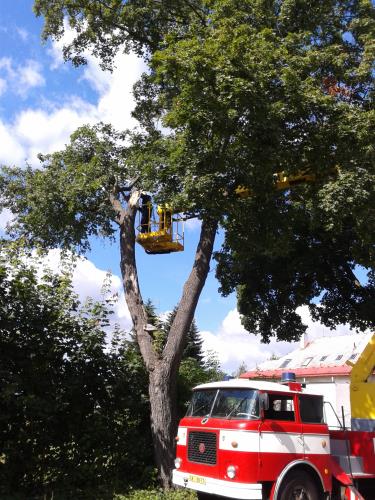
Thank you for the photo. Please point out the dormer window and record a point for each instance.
(285, 363)
(306, 361)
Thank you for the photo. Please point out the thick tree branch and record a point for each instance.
(131, 286)
(190, 295)
(118, 208)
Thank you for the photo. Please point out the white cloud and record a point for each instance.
(115, 100)
(193, 225)
(6, 65)
(47, 128)
(164, 316)
(29, 76)
(46, 131)
(12, 151)
(22, 33)
(116, 103)
(39, 131)
(21, 78)
(99, 80)
(5, 217)
(3, 86)
(315, 329)
(234, 345)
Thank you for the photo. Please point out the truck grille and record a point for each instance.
(202, 447)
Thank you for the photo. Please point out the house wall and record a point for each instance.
(343, 400)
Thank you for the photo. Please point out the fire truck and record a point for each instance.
(263, 440)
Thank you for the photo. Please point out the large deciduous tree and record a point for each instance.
(244, 90)
(82, 192)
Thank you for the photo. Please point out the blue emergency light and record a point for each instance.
(287, 377)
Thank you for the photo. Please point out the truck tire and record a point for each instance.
(206, 496)
(298, 485)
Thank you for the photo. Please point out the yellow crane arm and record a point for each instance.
(362, 390)
(165, 234)
(281, 182)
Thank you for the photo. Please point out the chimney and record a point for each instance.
(304, 341)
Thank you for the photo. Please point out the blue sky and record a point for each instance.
(42, 101)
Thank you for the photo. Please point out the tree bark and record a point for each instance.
(162, 392)
(163, 368)
(130, 283)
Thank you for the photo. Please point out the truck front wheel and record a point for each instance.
(206, 496)
(298, 485)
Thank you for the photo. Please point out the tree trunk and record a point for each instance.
(162, 391)
(164, 377)
(163, 368)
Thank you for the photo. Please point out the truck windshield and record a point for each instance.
(201, 403)
(225, 403)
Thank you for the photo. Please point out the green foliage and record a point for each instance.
(105, 28)
(158, 495)
(67, 201)
(196, 367)
(271, 87)
(192, 373)
(74, 420)
(243, 90)
(248, 89)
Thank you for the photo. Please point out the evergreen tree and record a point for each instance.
(194, 342)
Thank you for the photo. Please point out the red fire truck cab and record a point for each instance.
(262, 440)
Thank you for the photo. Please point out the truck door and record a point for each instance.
(280, 436)
(315, 430)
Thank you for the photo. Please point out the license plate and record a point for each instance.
(197, 479)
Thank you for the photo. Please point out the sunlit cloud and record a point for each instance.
(22, 33)
(21, 78)
(47, 128)
(29, 76)
(3, 86)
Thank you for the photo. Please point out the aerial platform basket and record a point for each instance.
(164, 234)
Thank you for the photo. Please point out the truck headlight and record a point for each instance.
(231, 471)
(177, 463)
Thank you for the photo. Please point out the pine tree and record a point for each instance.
(194, 342)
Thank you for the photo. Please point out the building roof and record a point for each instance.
(324, 356)
(241, 383)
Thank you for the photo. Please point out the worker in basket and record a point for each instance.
(146, 209)
(165, 217)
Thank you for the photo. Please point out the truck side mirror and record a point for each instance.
(264, 401)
